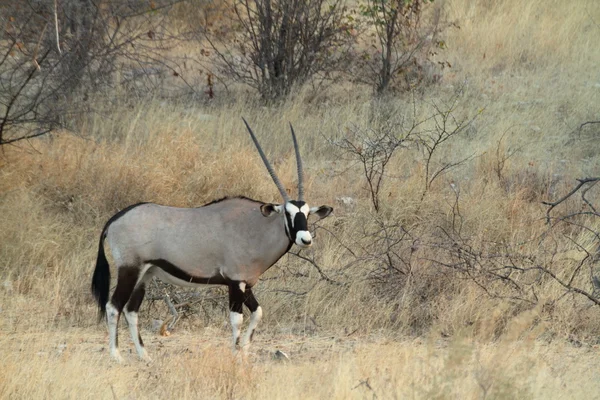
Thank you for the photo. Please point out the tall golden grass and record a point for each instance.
(527, 69)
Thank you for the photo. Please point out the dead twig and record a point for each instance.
(582, 182)
(365, 383)
(317, 267)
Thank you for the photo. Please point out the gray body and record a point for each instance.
(230, 239)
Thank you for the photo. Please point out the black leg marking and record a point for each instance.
(126, 281)
(250, 300)
(236, 298)
(252, 304)
(125, 284)
(135, 301)
(236, 303)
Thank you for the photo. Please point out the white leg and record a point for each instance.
(132, 321)
(236, 326)
(112, 316)
(255, 318)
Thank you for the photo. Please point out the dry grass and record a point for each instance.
(196, 365)
(532, 67)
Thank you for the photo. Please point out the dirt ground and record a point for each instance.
(75, 364)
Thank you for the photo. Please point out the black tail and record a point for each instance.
(101, 278)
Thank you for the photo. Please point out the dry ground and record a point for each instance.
(74, 364)
(528, 71)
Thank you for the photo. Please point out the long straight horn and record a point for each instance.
(267, 164)
(299, 165)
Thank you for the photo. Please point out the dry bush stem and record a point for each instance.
(582, 182)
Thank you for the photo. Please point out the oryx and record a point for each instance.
(230, 241)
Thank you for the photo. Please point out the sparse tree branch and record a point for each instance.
(75, 57)
(400, 38)
(317, 267)
(588, 123)
(567, 285)
(582, 182)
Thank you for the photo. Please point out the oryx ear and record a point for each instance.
(321, 212)
(268, 209)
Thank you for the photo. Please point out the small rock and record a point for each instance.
(280, 356)
(346, 202)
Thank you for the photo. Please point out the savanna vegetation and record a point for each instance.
(456, 140)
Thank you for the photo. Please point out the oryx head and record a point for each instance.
(296, 211)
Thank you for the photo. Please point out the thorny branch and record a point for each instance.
(513, 266)
(446, 126)
(585, 181)
(374, 147)
(312, 262)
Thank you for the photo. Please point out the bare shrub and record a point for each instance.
(56, 55)
(406, 261)
(374, 147)
(524, 271)
(282, 44)
(400, 45)
(389, 244)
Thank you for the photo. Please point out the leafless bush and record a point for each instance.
(445, 126)
(375, 146)
(55, 55)
(400, 44)
(400, 255)
(390, 246)
(182, 303)
(518, 271)
(281, 44)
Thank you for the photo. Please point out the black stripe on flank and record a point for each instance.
(184, 276)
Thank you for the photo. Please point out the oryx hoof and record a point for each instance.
(116, 356)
